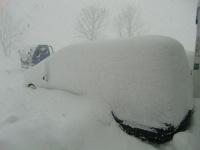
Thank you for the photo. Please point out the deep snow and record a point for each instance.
(145, 79)
(45, 119)
(50, 119)
(55, 120)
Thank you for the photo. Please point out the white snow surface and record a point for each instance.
(185, 141)
(49, 119)
(145, 80)
(53, 119)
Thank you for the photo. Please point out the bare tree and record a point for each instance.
(9, 31)
(129, 22)
(91, 23)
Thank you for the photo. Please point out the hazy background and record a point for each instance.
(53, 21)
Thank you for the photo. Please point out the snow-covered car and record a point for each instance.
(146, 82)
(35, 55)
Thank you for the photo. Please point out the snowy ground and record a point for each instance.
(44, 119)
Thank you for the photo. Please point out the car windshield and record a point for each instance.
(40, 49)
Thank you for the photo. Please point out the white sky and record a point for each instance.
(53, 22)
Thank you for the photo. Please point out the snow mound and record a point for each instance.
(145, 79)
(185, 141)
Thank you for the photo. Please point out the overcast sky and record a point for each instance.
(53, 21)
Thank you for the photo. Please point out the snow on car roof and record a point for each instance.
(145, 79)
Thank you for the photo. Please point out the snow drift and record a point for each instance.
(145, 80)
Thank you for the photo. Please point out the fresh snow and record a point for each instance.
(55, 120)
(50, 119)
(145, 80)
(185, 141)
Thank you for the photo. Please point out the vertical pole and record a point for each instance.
(196, 69)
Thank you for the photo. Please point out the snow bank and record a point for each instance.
(185, 141)
(55, 120)
(45, 119)
(145, 80)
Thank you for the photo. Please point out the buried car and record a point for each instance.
(35, 55)
(146, 82)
